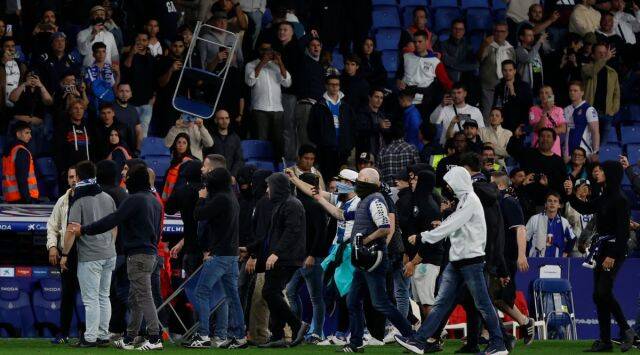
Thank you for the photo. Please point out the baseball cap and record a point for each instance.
(347, 174)
(470, 123)
(365, 157)
(581, 182)
(57, 35)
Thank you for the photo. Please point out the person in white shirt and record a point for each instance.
(152, 28)
(266, 76)
(97, 32)
(584, 18)
(626, 25)
(582, 123)
(454, 111)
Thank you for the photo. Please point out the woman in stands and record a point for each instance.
(180, 152)
(119, 152)
(371, 67)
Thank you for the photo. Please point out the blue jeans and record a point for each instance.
(313, 279)
(225, 270)
(453, 280)
(94, 278)
(374, 282)
(145, 112)
(401, 291)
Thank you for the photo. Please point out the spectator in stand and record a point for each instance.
(396, 156)
(584, 18)
(513, 96)
(180, 152)
(370, 123)
(167, 72)
(522, 184)
(211, 53)
(331, 128)
(11, 72)
(365, 160)
(111, 25)
(118, 149)
(454, 111)
(101, 70)
(428, 139)
(71, 140)
(547, 115)
(540, 24)
(411, 119)
(309, 86)
(56, 229)
(420, 23)
(227, 143)
(626, 25)
(371, 67)
(19, 184)
(577, 167)
(42, 33)
(139, 72)
(57, 61)
(542, 166)
(470, 130)
(199, 137)
(306, 162)
(237, 20)
(420, 70)
(495, 136)
(530, 67)
(549, 233)
(128, 114)
(254, 10)
(30, 100)
(602, 89)
(582, 123)
(266, 76)
(71, 88)
(460, 146)
(355, 87)
(457, 54)
(102, 132)
(97, 32)
(633, 177)
(494, 50)
(152, 29)
(577, 220)
(518, 12)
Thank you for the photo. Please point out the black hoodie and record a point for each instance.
(220, 209)
(612, 211)
(184, 199)
(425, 211)
(247, 203)
(287, 233)
(261, 218)
(108, 177)
(489, 196)
(72, 144)
(316, 223)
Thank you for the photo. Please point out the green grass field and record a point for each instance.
(39, 346)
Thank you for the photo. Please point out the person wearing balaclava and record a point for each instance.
(612, 214)
(139, 222)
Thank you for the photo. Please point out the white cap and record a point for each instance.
(348, 174)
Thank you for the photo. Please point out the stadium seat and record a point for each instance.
(466, 4)
(407, 16)
(444, 3)
(405, 3)
(46, 307)
(630, 134)
(444, 17)
(613, 136)
(610, 152)
(479, 19)
(261, 164)
(385, 16)
(635, 215)
(633, 113)
(633, 197)
(16, 316)
(256, 149)
(390, 60)
(499, 4)
(633, 153)
(153, 146)
(337, 60)
(475, 39)
(159, 164)
(387, 38)
(384, 3)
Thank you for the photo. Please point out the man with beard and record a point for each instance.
(127, 114)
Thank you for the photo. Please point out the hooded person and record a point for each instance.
(612, 213)
(246, 201)
(467, 230)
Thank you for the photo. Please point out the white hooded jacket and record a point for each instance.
(466, 226)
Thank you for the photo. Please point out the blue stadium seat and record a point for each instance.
(479, 19)
(16, 316)
(405, 3)
(407, 16)
(633, 153)
(633, 197)
(159, 164)
(337, 60)
(499, 10)
(153, 146)
(444, 3)
(466, 4)
(475, 39)
(390, 60)
(443, 36)
(261, 164)
(46, 307)
(256, 149)
(632, 113)
(630, 134)
(385, 16)
(444, 17)
(635, 215)
(498, 5)
(47, 176)
(613, 136)
(384, 3)
(610, 152)
(387, 38)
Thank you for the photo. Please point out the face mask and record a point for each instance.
(448, 194)
(343, 188)
(364, 189)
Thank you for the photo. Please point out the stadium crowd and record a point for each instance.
(432, 148)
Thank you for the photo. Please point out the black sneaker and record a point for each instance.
(304, 327)
(410, 344)
(239, 344)
(351, 349)
(197, 342)
(628, 340)
(468, 349)
(529, 332)
(600, 347)
(510, 342)
(103, 343)
(86, 344)
(275, 344)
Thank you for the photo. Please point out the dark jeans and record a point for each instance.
(119, 296)
(269, 126)
(70, 288)
(605, 300)
(275, 281)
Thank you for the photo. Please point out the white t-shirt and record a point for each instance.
(12, 70)
(155, 49)
(444, 115)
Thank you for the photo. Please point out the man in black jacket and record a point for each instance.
(218, 206)
(514, 97)
(226, 143)
(285, 244)
(311, 273)
(309, 87)
(354, 86)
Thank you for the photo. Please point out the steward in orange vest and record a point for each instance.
(19, 184)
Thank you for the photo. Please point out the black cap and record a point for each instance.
(403, 175)
(470, 123)
(365, 157)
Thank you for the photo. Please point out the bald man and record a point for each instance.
(372, 225)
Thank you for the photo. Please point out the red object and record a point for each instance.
(163, 251)
(23, 271)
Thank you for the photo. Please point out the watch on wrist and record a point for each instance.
(64, 255)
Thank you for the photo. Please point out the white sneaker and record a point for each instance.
(121, 344)
(390, 337)
(373, 342)
(148, 346)
(332, 340)
(217, 342)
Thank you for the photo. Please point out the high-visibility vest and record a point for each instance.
(172, 178)
(127, 156)
(9, 180)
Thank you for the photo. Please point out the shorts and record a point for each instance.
(506, 294)
(423, 284)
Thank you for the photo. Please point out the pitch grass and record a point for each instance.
(41, 346)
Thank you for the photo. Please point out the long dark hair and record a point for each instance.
(176, 158)
(121, 143)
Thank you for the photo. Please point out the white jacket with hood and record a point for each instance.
(466, 226)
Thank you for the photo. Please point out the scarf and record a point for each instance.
(502, 54)
(84, 188)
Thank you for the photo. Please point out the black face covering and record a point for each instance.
(364, 189)
(447, 193)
